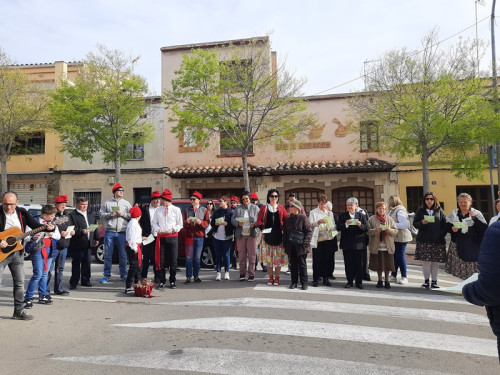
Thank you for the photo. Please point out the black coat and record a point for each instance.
(62, 243)
(302, 224)
(227, 214)
(352, 237)
(80, 240)
(145, 221)
(430, 232)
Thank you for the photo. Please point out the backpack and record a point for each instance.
(31, 247)
(411, 217)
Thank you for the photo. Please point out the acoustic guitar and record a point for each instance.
(14, 236)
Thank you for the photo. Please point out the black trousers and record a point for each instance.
(148, 258)
(324, 259)
(168, 259)
(133, 267)
(80, 266)
(298, 266)
(494, 317)
(353, 260)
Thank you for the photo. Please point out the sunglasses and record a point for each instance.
(120, 190)
(211, 204)
(429, 199)
(273, 196)
(193, 199)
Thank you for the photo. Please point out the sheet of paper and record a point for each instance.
(219, 220)
(92, 227)
(334, 233)
(267, 230)
(429, 218)
(148, 240)
(115, 208)
(329, 221)
(354, 222)
(384, 227)
(242, 220)
(459, 224)
(69, 230)
(457, 289)
(192, 218)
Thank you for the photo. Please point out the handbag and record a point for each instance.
(296, 237)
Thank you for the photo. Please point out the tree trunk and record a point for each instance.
(3, 164)
(118, 167)
(425, 171)
(246, 180)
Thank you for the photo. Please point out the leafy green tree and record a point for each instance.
(232, 95)
(23, 109)
(100, 113)
(430, 104)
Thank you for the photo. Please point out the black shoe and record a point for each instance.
(367, 278)
(72, 287)
(387, 285)
(426, 284)
(21, 315)
(88, 285)
(45, 301)
(360, 286)
(348, 285)
(28, 303)
(292, 286)
(188, 280)
(161, 286)
(304, 287)
(197, 279)
(331, 277)
(315, 283)
(63, 293)
(380, 284)
(434, 285)
(173, 286)
(326, 282)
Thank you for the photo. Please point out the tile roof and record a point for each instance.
(283, 168)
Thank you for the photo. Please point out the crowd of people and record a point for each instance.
(276, 236)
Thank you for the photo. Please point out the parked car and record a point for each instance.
(207, 257)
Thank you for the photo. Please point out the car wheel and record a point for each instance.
(99, 253)
(207, 259)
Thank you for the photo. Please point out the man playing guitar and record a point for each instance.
(13, 216)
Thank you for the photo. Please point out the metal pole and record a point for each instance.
(495, 81)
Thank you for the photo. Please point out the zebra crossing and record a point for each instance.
(415, 331)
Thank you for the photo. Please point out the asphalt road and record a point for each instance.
(232, 327)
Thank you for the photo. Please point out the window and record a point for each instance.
(365, 197)
(368, 136)
(414, 198)
(237, 73)
(94, 198)
(29, 144)
(307, 196)
(188, 140)
(135, 151)
(142, 195)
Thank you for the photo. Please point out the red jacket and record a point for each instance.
(262, 217)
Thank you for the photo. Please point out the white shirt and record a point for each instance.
(152, 211)
(12, 220)
(173, 220)
(133, 235)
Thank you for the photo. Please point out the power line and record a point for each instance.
(416, 53)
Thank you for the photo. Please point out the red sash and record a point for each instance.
(47, 242)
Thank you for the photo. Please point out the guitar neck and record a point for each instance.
(31, 232)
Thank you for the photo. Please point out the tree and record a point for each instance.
(23, 109)
(233, 93)
(430, 104)
(101, 111)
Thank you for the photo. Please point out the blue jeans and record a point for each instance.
(110, 238)
(399, 258)
(194, 269)
(58, 265)
(39, 277)
(222, 253)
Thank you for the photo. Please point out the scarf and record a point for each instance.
(383, 220)
(455, 217)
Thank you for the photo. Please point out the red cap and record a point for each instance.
(197, 194)
(155, 194)
(135, 211)
(61, 199)
(167, 195)
(254, 196)
(116, 187)
(234, 198)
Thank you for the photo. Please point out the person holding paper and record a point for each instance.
(382, 231)
(324, 222)
(146, 221)
(353, 226)
(467, 226)
(399, 214)
(430, 220)
(81, 243)
(271, 221)
(244, 220)
(222, 237)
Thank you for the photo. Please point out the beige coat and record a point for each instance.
(373, 224)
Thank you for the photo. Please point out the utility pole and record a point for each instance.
(495, 82)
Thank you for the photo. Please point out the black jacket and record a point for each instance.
(227, 214)
(82, 241)
(352, 237)
(62, 243)
(430, 232)
(24, 217)
(302, 224)
(145, 221)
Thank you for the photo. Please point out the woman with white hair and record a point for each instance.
(353, 227)
(467, 226)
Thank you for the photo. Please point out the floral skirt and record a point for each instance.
(430, 252)
(456, 266)
(272, 256)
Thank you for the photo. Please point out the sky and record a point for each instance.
(328, 42)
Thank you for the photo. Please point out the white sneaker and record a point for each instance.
(217, 278)
(392, 279)
(403, 281)
(226, 276)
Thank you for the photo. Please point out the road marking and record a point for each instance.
(241, 362)
(347, 308)
(333, 331)
(383, 294)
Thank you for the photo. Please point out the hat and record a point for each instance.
(155, 194)
(234, 198)
(135, 212)
(254, 196)
(167, 195)
(197, 194)
(296, 204)
(116, 187)
(61, 199)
